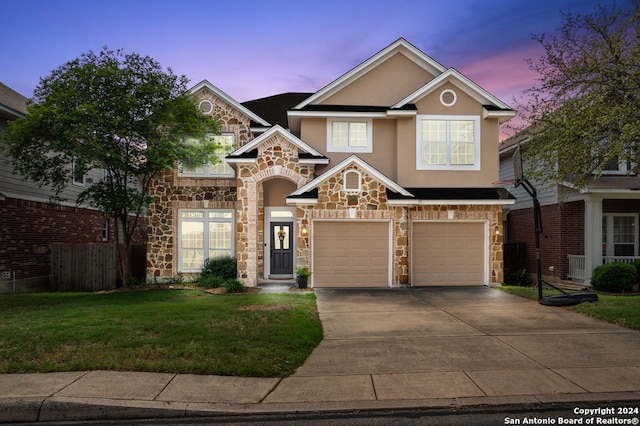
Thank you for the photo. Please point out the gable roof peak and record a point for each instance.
(228, 99)
(353, 159)
(401, 46)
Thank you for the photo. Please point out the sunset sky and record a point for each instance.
(252, 49)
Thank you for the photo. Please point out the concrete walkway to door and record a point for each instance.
(472, 345)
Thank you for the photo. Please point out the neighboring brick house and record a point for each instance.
(30, 223)
(582, 229)
(382, 178)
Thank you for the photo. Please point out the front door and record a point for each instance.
(281, 248)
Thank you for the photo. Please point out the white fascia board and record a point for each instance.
(258, 129)
(419, 57)
(360, 163)
(332, 114)
(301, 201)
(451, 202)
(277, 129)
(323, 160)
(401, 113)
(228, 99)
(14, 113)
(502, 116)
(352, 114)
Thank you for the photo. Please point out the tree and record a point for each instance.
(584, 112)
(113, 111)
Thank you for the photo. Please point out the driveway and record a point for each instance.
(438, 342)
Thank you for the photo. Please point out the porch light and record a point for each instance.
(304, 229)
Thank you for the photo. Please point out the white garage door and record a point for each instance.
(445, 253)
(351, 254)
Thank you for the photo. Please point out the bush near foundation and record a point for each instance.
(221, 272)
(616, 277)
(223, 267)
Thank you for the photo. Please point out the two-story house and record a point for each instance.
(30, 223)
(583, 228)
(384, 177)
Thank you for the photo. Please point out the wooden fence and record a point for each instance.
(91, 266)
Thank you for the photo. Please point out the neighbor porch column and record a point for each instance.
(592, 235)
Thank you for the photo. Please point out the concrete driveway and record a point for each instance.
(461, 342)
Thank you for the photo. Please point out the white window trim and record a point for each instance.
(344, 181)
(74, 180)
(448, 166)
(363, 149)
(205, 219)
(624, 168)
(610, 227)
(207, 167)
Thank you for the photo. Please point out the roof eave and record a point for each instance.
(417, 202)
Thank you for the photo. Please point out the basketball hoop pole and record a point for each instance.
(537, 224)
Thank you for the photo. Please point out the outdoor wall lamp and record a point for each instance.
(304, 229)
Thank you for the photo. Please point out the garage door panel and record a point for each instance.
(448, 253)
(351, 254)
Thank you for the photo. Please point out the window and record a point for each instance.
(619, 235)
(352, 181)
(204, 234)
(220, 168)
(448, 143)
(349, 136)
(78, 176)
(105, 230)
(614, 167)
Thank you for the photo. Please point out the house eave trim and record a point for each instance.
(360, 163)
(228, 99)
(301, 201)
(450, 202)
(313, 161)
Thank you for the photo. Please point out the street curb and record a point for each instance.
(34, 410)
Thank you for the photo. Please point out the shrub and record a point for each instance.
(614, 277)
(211, 281)
(636, 263)
(225, 267)
(233, 286)
(519, 277)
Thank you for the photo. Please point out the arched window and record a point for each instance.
(352, 181)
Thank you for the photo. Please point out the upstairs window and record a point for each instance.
(220, 168)
(349, 136)
(616, 167)
(448, 143)
(78, 177)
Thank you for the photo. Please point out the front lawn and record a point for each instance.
(176, 331)
(621, 310)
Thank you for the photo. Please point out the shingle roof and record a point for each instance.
(454, 194)
(11, 102)
(274, 108)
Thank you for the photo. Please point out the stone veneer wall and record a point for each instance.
(371, 204)
(277, 157)
(172, 192)
(368, 204)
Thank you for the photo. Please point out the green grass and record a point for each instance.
(176, 331)
(621, 310)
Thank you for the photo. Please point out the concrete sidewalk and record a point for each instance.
(383, 348)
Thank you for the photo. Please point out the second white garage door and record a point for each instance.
(351, 254)
(446, 253)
